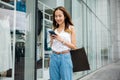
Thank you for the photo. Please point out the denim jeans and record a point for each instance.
(61, 67)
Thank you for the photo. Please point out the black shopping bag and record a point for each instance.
(79, 60)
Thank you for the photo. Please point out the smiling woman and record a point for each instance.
(60, 61)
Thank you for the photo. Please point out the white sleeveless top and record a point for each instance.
(57, 45)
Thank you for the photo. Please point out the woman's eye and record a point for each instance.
(58, 16)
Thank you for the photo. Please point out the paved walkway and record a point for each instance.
(109, 72)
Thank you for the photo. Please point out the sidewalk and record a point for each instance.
(109, 72)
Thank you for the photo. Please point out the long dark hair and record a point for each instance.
(68, 20)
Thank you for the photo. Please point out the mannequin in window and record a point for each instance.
(5, 46)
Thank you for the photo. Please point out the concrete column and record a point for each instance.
(29, 73)
(118, 22)
(115, 22)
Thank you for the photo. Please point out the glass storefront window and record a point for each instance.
(19, 39)
(94, 35)
(7, 41)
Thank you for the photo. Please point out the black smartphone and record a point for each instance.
(52, 32)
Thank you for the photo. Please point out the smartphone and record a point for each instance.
(52, 32)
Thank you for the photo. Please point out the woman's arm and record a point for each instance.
(71, 45)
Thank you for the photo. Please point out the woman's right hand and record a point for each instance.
(52, 37)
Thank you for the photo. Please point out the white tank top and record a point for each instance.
(57, 45)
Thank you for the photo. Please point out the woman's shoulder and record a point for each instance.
(71, 27)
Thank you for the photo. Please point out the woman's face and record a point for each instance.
(59, 17)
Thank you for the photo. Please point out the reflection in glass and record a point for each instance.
(43, 45)
(6, 47)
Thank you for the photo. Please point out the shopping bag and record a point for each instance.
(79, 60)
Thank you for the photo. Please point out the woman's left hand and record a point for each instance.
(58, 38)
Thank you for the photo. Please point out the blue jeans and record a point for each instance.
(61, 67)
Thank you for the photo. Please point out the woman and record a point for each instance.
(60, 60)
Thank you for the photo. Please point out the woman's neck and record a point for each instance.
(62, 26)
